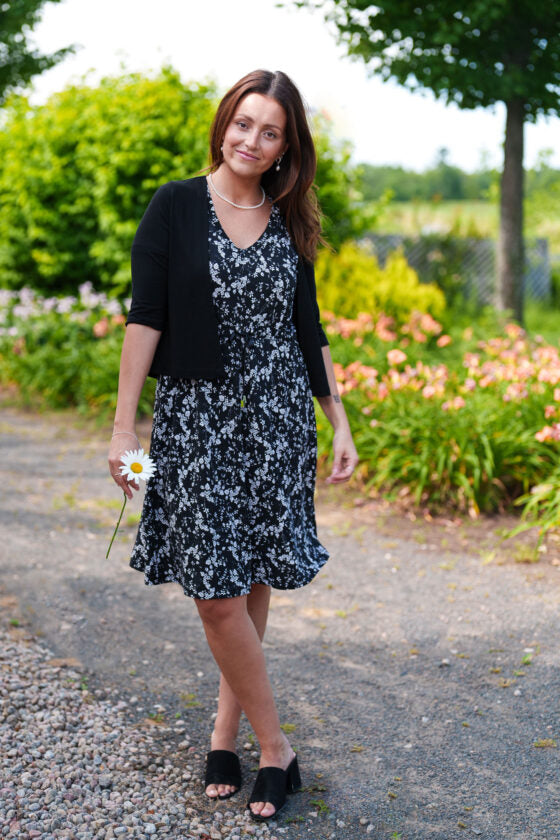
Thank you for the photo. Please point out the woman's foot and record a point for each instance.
(280, 755)
(221, 742)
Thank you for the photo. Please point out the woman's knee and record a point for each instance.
(216, 612)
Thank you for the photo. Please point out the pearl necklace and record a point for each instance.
(233, 204)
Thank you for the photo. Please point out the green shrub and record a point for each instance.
(77, 173)
(345, 213)
(450, 421)
(352, 281)
(63, 352)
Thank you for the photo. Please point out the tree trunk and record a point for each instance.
(511, 251)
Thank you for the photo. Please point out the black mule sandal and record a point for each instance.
(222, 768)
(272, 784)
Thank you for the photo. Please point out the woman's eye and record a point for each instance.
(242, 124)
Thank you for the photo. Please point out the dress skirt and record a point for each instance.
(232, 500)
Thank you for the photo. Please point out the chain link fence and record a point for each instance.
(464, 266)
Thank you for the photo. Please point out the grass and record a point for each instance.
(478, 218)
(468, 218)
(542, 319)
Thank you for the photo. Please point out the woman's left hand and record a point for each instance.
(345, 456)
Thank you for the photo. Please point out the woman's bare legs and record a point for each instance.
(236, 646)
(227, 720)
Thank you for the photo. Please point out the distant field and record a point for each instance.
(465, 218)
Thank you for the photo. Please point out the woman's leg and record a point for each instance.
(226, 724)
(236, 647)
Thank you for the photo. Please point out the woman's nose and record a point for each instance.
(252, 139)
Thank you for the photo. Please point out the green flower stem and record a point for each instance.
(117, 527)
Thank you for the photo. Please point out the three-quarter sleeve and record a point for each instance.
(149, 263)
(310, 274)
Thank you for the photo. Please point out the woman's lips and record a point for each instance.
(246, 155)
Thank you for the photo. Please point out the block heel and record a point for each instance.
(293, 781)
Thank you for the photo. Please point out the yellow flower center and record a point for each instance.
(136, 467)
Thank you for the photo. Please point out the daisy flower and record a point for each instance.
(135, 464)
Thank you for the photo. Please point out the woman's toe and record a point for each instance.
(212, 791)
(265, 809)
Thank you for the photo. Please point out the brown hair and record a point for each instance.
(292, 188)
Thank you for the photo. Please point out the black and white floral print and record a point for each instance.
(232, 500)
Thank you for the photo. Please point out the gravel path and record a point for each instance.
(419, 685)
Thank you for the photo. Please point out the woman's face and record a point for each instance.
(256, 136)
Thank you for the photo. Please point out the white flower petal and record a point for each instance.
(137, 457)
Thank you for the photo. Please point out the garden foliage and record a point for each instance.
(77, 173)
(449, 419)
(352, 281)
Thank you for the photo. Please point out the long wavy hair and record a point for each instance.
(292, 188)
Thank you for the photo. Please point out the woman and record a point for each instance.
(224, 314)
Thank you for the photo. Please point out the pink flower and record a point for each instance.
(549, 411)
(471, 360)
(101, 328)
(429, 324)
(549, 433)
(514, 330)
(443, 340)
(428, 391)
(396, 356)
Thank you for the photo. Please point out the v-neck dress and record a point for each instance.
(232, 500)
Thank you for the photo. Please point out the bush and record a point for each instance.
(345, 213)
(77, 173)
(471, 430)
(62, 352)
(351, 282)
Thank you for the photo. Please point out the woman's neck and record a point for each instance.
(237, 189)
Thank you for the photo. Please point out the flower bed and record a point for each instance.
(65, 351)
(449, 419)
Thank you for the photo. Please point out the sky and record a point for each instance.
(225, 39)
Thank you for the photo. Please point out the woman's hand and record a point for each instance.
(119, 445)
(345, 456)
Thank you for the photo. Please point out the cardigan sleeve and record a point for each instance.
(310, 274)
(149, 263)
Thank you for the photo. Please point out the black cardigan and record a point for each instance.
(172, 290)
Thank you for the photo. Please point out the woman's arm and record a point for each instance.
(137, 353)
(345, 455)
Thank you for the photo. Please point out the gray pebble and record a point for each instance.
(79, 769)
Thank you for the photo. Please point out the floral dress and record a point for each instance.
(232, 499)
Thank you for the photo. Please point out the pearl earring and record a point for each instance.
(278, 159)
